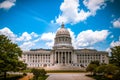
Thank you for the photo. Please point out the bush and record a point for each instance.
(24, 74)
(38, 73)
(117, 76)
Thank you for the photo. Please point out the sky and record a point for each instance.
(32, 24)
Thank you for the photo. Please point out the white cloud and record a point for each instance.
(112, 36)
(94, 5)
(48, 38)
(88, 38)
(34, 34)
(115, 43)
(25, 41)
(27, 45)
(73, 37)
(7, 4)
(6, 31)
(72, 13)
(85, 39)
(116, 23)
(26, 36)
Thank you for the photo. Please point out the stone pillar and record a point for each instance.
(55, 57)
(68, 57)
(58, 58)
(62, 57)
(65, 57)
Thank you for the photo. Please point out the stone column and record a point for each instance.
(55, 57)
(61, 57)
(58, 58)
(68, 57)
(65, 57)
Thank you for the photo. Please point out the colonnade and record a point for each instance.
(63, 57)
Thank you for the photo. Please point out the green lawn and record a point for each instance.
(64, 71)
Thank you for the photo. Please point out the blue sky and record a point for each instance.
(93, 24)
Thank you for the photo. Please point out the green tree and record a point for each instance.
(101, 69)
(115, 56)
(115, 59)
(92, 67)
(9, 56)
(95, 62)
(110, 69)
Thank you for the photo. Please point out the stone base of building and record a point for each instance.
(64, 68)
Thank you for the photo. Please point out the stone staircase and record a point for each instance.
(64, 67)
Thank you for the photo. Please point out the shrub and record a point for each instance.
(38, 72)
(24, 74)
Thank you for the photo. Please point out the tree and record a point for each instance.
(92, 67)
(95, 62)
(9, 56)
(110, 69)
(115, 56)
(101, 69)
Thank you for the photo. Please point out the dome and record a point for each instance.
(62, 31)
(62, 38)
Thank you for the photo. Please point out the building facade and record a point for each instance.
(63, 54)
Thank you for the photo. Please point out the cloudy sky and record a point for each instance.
(32, 24)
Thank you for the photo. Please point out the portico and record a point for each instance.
(64, 57)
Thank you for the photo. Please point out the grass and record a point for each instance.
(64, 71)
(26, 71)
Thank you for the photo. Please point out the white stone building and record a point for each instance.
(63, 54)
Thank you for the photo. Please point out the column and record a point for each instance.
(65, 57)
(68, 58)
(58, 58)
(61, 57)
(55, 57)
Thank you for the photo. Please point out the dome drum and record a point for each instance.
(63, 38)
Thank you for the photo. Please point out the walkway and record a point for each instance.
(29, 76)
(68, 76)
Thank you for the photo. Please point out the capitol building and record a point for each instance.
(63, 55)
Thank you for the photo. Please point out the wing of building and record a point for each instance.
(63, 55)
